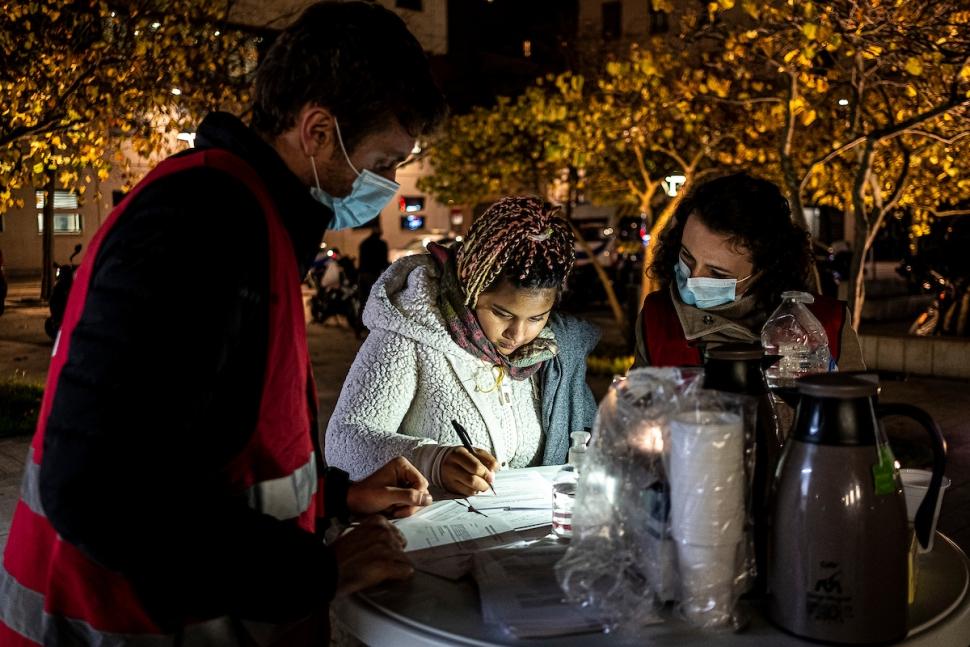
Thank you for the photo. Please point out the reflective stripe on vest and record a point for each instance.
(288, 496)
(23, 611)
(284, 498)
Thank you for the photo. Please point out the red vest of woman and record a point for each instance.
(666, 345)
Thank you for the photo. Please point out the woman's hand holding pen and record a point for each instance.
(465, 473)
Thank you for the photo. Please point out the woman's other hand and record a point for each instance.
(398, 489)
(465, 473)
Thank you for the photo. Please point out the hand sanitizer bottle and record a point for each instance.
(564, 486)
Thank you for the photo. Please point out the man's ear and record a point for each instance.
(317, 129)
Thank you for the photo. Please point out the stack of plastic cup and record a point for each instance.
(707, 489)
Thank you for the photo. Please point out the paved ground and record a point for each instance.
(25, 351)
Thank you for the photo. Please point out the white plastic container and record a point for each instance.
(915, 485)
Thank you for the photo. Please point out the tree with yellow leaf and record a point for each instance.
(863, 105)
(82, 77)
(653, 122)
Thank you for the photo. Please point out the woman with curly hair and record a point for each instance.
(470, 334)
(729, 252)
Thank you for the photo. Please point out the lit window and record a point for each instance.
(411, 204)
(412, 222)
(66, 218)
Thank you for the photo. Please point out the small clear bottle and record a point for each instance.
(565, 483)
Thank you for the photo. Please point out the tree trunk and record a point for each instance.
(600, 272)
(857, 296)
(785, 157)
(651, 284)
(793, 186)
(47, 239)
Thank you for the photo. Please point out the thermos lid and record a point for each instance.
(836, 385)
(733, 352)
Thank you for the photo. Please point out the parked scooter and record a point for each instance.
(948, 313)
(63, 281)
(334, 278)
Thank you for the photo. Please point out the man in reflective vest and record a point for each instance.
(173, 491)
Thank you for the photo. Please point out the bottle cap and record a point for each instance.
(580, 439)
(799, 297)
(578, 451)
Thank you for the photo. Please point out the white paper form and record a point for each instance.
(523, 499)
(443, 537)
(443, 542)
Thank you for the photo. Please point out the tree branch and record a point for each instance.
(939, 138)
(741, 102)
(915, 120)
(901, 182)
(886, 133)
(948, 212)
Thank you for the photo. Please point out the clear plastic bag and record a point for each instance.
(709, 462)
(625, 561)
(798, 337)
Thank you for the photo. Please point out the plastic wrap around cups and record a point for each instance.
(709, 464)
(643, 540)
(620, 562)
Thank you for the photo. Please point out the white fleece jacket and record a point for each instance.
(410, 379)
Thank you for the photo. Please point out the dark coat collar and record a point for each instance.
(305, 219)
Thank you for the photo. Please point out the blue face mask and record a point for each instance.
(705, 292)
(369, 194)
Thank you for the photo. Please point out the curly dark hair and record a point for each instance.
(357, 59)
(520, 239)
(757, 217)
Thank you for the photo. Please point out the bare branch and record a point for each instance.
(947, 213)
(741, 102)
(915, 120)
(674, 155)
(901, 182)
(888, 132)
(939, 138)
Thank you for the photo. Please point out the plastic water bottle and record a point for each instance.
(795, 334)
(564, 486)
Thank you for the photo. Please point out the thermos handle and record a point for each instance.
(924, 516)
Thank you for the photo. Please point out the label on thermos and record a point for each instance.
(883, 472)
(828, 600)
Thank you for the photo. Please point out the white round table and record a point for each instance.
(429, 610)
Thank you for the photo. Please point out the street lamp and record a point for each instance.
(672, 184)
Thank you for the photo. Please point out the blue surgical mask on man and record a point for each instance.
(369, 194)
(705, 292)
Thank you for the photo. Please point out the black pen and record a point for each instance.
(466, 441)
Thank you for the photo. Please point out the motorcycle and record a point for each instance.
(942, 268)
(63, 281)
(336, 293)
(948, 313)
